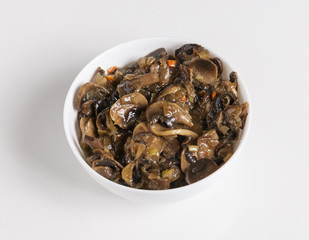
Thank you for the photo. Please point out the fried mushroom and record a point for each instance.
(207, 143)
(200, 169)
(204, 71)
(126, 109)
(169, 113)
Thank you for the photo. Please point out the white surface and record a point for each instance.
(45, 194)
(122, 55)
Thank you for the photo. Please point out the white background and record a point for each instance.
(44, 192)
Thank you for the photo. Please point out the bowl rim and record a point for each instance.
(71, 92)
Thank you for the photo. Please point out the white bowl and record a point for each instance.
(120, 56)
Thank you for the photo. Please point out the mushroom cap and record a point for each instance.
(83, 90)
(124, 108)
(188, 51)
(205, 71)
(200, 169)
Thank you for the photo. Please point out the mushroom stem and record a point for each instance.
(162, 131)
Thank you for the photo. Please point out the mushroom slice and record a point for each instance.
(83, 90)
(125, 108)
(156, 183)
(129, 86)
(141, 132)
(155, 146)
(219, 65)
(88, 129)
(105, 171)
(179, 182)
(94, 143)
(127, 173)
(155, 112)
(171, 147)
(213, 116)
(98, 76)
(207, 144)
(168, 163)
(233, 78)
(188, 157)
(236, 115)
(184, 75)
(153, 179)
(159, 73)
(105, 165)
(158, 130)
(174, 114)
(101, 122)
(190, 92)
(105, 160)
(225, 152)
(184, 163)
(164, 72)
(110, 125)
(168, 112)
(105, 124)
(169, 90)
(87, 108)
(177, 94)
(157, 54)
(135, 149)
(204, 71)
(189, 51)
(231, 88)
(140, 150)
(171, 174)
(199, 170)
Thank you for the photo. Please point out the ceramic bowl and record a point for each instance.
(120, 56)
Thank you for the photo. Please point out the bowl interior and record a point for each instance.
(120, 56)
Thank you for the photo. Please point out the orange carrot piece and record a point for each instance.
(111, 69)
(171, 63)
(110, 77)
(183, 98)
(213, 95)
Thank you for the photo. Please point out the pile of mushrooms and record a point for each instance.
(160, 122)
